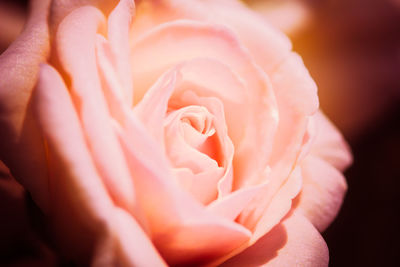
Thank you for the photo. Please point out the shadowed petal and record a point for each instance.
(21, 146)
(294, 242)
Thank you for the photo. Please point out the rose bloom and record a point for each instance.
(169, 132)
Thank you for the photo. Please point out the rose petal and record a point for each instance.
(134, 246)
(173, 88)
(152, 109)
(322, 193)
(230, 206)
(294, 242)
(77, 190)
(21, 146)
(76, 39)
(181, 228)
(179, 41)
(264, 217)
(267, 44)
(329, 144)
(293, 127)
(324, 185)
(119, 23)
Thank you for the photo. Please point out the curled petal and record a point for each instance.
(180, 227)
(179, 41)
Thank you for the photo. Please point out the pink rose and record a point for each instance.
(171, 132)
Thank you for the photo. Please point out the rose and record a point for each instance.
(197, 163)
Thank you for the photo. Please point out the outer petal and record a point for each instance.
(77, 190)
(297, 101)
(294, 242)
(21, 146)
(324, 185)
(266, 43)
(329, 144)
(322, 193)
(76, 39)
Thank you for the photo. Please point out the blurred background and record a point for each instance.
(352, 50)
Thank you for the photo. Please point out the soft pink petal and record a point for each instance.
(294, 242)
(230, 206)
(181, 152)
(21, 146)
(134, 248)
(77, 190)
(110, 83)
(322, 193)
(76, 39)
(181, 228)
(324, 185)
(270, 213)
(266, 43)
(329, 144)
(297, 101)
(173, 91)
(119, 23)
(152, 109)
(179, 41)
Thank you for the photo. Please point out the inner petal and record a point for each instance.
(191, 139)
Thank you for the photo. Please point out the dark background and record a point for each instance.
(352, 49)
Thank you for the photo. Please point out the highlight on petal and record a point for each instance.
(21, 143)
(76, 40)
(294, 242)
(77, 190)
(119, 23)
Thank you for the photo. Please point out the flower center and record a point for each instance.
(192, 139)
